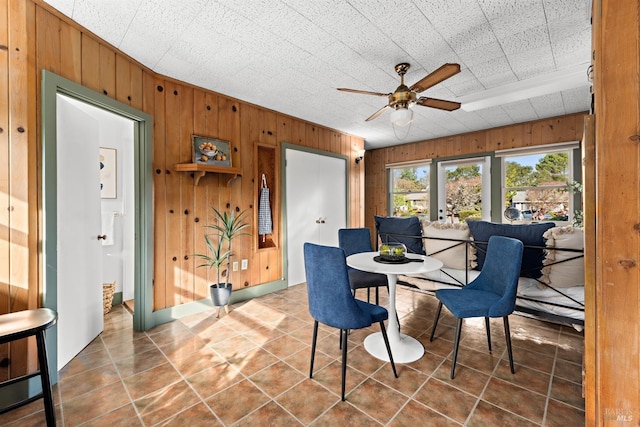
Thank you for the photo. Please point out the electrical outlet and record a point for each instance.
(235, 265)
(245, 264)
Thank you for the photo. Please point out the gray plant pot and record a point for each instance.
(220, 294)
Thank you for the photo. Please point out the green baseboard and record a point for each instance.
(172, 313)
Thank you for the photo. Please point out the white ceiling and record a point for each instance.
(291, 55)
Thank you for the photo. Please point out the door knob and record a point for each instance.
(102, 237)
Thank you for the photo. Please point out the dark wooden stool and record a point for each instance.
(23, 324)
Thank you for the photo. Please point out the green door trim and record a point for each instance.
(52, 85)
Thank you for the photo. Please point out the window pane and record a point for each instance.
(410, 191)
(463, 187)
(536, 184)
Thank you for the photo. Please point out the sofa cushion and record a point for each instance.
(451, 253)
(528, 234)
(389, 229)
(564, 274)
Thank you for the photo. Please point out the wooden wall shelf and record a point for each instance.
(200, 170)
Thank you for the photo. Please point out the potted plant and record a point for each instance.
(218, 238)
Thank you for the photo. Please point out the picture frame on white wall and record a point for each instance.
(108, 173)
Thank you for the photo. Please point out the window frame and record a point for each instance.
(567, 147)
(426, 163)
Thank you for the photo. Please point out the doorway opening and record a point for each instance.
(141, 188)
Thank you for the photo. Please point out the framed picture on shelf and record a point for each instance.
(108, 173)
(211, 151)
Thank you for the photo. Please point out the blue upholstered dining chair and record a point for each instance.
(354, 241)
(332, 303)
(491, 294)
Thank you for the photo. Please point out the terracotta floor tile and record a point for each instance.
(87, 381)
(214, 379)
(567, 392)
(251, 367)
(446, 400)
(284, 346)
(415, 414)
(561, 415)
(307, 400)
(409, 380)
(94, 404)
(302, 360)
(237, 401)
(486, 415)
(270, 414)
(166, 402)
(277, 378)
(196, 416)
(124, 416)
(331, 378)
(140, 362)
(377, 400)
(252, 361)
(511, 397)
(344, 414)
(151, 380)
(524, 377)
(466, 379)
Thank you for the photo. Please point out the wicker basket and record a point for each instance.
(107, 296)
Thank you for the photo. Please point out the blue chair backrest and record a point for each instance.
(354, 240)
(500, 273)
(330, 299)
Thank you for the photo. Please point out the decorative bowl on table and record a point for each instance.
(392, 252)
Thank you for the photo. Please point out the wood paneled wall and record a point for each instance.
(541, 132)
(613, 318)
(34, 37)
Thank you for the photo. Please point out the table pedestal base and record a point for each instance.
(404, 350)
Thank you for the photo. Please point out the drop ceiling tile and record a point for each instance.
(518, 17)
(577, 100)
(562, 9)
(481, 53)
(520, 110)
(529, 39)
(524, 67)
(548, 105)
(110, 23)
(496, 116)
(493, 73)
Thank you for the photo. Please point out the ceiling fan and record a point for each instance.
(405, 97)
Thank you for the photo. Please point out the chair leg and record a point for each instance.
(488, 328)
(313, 347)
(377, 295)
(49, 410)
(507, 333)
(386, 342)
(455, 348)
(340, 346)
(344, 362)
(435, 322)
(368, 294)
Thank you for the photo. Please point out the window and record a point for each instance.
(409, 189)
(536, 183)
(464, 189)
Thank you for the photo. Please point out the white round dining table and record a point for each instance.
(405, 349)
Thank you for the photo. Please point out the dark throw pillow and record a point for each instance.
(403, 230)
(528, 234)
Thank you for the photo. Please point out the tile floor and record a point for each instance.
(250, 367)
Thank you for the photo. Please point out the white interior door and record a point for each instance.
(316, 205)
(80, 317)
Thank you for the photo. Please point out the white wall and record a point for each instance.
(118, 258)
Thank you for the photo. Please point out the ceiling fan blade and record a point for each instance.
(438, 103)
(377, 113)
(442, 73)
(364, 92)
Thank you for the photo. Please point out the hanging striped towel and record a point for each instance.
(265, 225)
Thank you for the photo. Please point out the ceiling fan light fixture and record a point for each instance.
(401, 116)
